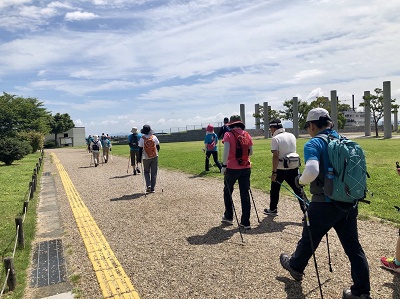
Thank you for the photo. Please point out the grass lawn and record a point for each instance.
(14, 182)
(381, 155)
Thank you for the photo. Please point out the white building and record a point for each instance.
(354, 118)
(73, 137)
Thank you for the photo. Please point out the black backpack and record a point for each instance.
(95, 146)
(134, 144)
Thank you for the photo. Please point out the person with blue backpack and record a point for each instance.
(211, 147)
(133, 141)
(325, 213)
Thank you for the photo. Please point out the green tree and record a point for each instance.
(20, 114)
(60, 123)
(303, 109)
(272, 114)
(376, 106)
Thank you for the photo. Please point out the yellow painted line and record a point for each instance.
(112, 279)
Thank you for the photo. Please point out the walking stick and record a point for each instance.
(129, 160)
(233, 207)
(309, 232)
(254, 204)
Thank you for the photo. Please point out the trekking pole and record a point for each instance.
(254, 204)
(233, 207)
(129, 160)
(158, 178)
(309, 232)
(144, 181)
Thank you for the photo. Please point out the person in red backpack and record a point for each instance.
(149, 147)
(210, 147)
(236, 166)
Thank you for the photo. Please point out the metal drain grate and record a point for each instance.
(48, 264)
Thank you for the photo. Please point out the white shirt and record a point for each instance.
(284, 143)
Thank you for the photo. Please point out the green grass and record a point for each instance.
(381, 156)
(14, 182)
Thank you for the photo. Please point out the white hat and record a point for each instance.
(317, 113)
(95, 137)
(134, 130)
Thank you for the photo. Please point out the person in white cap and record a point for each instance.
(133, 141)
(95, 146)
(324, 213)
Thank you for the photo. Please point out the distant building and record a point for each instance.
(73, 137)
(354, 118)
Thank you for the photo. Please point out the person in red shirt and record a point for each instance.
(238, 169)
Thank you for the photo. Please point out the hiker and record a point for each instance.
(106, 144)
(95, 147)
(393, 263)
(210, 147)
(324, 213)
(149, 146)
(88, 142)
(237, 168)
(223, 129)
(133, 141)
(285, 165)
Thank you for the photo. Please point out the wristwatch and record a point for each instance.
(223, 165)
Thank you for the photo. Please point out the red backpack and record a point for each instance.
(150, 147)
(242, 147)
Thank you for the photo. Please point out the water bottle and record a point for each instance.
(328, 182)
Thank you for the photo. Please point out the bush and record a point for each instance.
(34, 138)
(13, 149)
(50, 144)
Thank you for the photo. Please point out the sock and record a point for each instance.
(396, 262)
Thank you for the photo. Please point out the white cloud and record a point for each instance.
(78, 16)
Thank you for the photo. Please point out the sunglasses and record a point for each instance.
(307, 125)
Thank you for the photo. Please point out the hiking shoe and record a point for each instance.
(389, 264)
(137, 169)
(347, 294)
(134, 172)
(227, 221)
(285, 262)
(148, 189)
(246, 227)
(271, 212)
(152, 191)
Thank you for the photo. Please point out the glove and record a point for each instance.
(110, 149)
(223, 170)
(297, 182)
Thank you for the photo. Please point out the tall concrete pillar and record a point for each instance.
(387, 110)
(395, 120)
(266, 120)
(257, 112)
(367, 115)
(242, 114)
(334, 108)
(296, 117)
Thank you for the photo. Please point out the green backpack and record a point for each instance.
(349, 167)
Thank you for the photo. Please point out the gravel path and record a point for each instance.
(172, 244)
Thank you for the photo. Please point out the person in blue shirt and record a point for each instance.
(106, 144)
(324, 213)
(133, 141)
(211, 148)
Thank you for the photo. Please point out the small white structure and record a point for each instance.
(354, 118)
(73, 137)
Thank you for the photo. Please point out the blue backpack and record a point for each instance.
(349, 167)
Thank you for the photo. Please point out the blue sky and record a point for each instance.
(114, 64)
